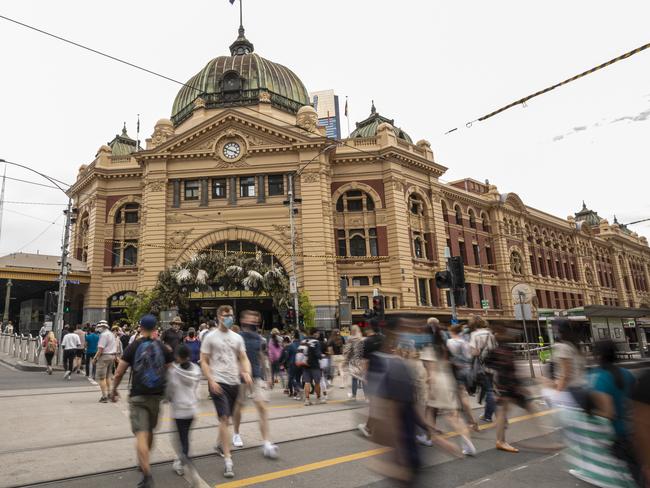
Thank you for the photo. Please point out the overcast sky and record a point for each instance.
(430, 65)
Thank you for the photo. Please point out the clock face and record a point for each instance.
(231, 150)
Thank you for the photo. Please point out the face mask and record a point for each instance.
(191, 334)
(228, 321)
(466, 330)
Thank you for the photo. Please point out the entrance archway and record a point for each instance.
(115, 305)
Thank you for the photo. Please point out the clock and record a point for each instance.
(231, 150)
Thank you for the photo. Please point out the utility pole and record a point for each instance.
(5, 315)
(2, 198)
(522, 297)
(293, 280)
(63, 273)
(452, 299)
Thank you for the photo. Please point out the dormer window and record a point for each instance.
(231, 83)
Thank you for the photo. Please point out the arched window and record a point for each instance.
(357, 244)
(247, 249)
(355, 201)
(128, 214)
(459, 215)
(485, 222)
(472, 218)
(445, 212)
(418, 248)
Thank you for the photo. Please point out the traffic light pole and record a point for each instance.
(63, 274)
(452, 299)
(294, 278)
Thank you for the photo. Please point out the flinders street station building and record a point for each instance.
(370, 209)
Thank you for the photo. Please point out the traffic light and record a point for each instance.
(443, 279)
(378, 306)
(290, 316)
(460, 297)
(66, 306)
(457, 270)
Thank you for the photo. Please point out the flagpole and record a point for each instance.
(241, 14)
(347, 114)
(137, 135)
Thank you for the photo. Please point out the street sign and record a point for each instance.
(292, 285)
(485, 304)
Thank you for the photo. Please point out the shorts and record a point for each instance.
(104, 365)
(311, 375)
(143, 412)
(224, 403)
(79, 353)
(258, 392)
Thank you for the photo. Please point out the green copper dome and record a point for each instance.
(244, 78)
(368, 127)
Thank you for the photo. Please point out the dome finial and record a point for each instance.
(373, 110)
(241, 44)
(124, 130)
(615, 219)
(584, 206)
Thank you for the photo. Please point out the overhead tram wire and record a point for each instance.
(95, 51)
(40, 233)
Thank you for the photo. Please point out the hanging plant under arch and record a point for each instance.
(214, 270)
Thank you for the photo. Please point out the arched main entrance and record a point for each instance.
(203, 304)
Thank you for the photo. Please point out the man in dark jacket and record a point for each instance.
(173, 336)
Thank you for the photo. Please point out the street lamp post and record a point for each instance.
(63, 273)
(293, 280)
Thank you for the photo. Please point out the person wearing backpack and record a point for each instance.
(482, 342)
(49, 346)
(149, 360)
(311, 372)
(460, 357)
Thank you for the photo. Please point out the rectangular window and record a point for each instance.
(130, 253)
(495, 296)
(376, 280)
(477, 254)
(549, 265)
(276, 185)
(219, 188)
(489, 255)
(247, 186)
(469, 297)
(481, 293)
(363, 302)
(357, 242)
(353, 304)
(374, 248)
(463, 251)
(422, 292)
(342, 248)
(116, 254)
(360, 281)
(533, 264)
(542, 270)
(192, 190)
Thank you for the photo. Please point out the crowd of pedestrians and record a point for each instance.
(412, 375)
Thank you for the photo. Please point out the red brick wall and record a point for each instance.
(382, 240)
(110, 201)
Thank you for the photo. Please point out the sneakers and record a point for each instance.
(236, 441)
(270, 451)
(307, 402)
(66, 376)
(363, 428)
(423, 440)
(483, 418)
(228, 471)
(103, 399)
(219, 450)
(178, 467)
(504, 446)
(468, 448)
(322, 400)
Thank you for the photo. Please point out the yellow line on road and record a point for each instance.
(350, 457)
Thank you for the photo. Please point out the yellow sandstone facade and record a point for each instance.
(372, 209)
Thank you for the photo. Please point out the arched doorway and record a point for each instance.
(116, 304)
(203, 304)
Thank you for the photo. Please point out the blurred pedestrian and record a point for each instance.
(81, 350)
(183, 380)
(70, 344)
(148, 360)
(353, 363)
(50, 345)
(193, 344)
(275, 352)
(460, 357)
(482, 342)
(173, 336)
(92, 339)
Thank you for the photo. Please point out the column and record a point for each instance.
(176, 193)
(261, 190)
(204, 193)
(5, 315)
(232, 194)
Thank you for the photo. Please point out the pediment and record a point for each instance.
(256, 133)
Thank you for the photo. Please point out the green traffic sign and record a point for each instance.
(485, 304)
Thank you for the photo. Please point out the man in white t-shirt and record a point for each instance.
(481, 342)
(225, 364)
(105, 358)
(70, 344)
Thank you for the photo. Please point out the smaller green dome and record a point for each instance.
(369, 126)
(122, 145)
